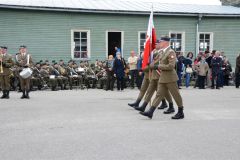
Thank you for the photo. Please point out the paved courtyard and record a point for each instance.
(98, 125)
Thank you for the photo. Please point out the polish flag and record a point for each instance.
(149, 43)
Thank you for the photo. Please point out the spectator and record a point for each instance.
(132, 61)
(237, 71)
(179, 69)
(116, 51)
(119, 67)
(227, 69)
(216, 64)
(189, 70)
(140, 72)
(202, 68)
(209, 60)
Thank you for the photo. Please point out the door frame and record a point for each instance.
(122, 40)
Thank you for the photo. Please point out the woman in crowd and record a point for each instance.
(227, 69)
(202, 68)
(188, 63)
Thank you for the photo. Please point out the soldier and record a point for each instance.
(5, 71)
(62, 69)
(110, 73)
(55, 77)
(167, 81)
(36, 79)
(72, 74)
(155, 75)
(24, 60)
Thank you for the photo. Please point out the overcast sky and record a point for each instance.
(206, 2)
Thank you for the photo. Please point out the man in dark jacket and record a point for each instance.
(237, 71)
(216, 64)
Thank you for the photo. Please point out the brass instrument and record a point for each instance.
(1, 65)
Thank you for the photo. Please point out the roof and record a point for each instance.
(119, 6)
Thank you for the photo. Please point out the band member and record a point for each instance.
(24, 60)
(6, 63)
(167, 81)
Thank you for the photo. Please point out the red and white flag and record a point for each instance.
(150, 42)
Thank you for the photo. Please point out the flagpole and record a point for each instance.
(150, 70)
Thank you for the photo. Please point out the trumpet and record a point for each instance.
(1, 65)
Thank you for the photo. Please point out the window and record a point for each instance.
(205, 42)
(80, 44)
(141, 41)
(177, 42)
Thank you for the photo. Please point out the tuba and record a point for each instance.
(1, 65)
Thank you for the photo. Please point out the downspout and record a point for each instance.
(197, 29)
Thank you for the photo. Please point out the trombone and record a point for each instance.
(1, 65)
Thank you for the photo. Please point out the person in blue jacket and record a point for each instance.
(119, 66)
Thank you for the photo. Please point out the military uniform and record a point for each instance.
(62, 69)
(155, 75)
(167, 82)
(24, 60)
(7, 63)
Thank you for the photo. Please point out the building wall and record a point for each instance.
(48, 34)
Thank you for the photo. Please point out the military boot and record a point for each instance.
(27, 94)
(149, 113)
(180, 114)
(163, 105)
(4, 94)
(135, 104)
(142, 107)
(23, 94)
(170, 109)
(7, 94)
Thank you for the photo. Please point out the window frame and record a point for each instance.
(73, 44)
(211, 40)
(139, 40)
(182, 40)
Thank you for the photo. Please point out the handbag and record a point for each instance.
(189, 70)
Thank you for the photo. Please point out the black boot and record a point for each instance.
(142, 107)
(4, 94)
(7, 94)
(163, 105)
(180, 114)
(170, 109)
(135, 104)
(23, 95)
(27, 94)
(149, 113)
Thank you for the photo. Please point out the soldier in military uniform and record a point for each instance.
(5, 71)
(36, 79)
(62, 69)
(24, 60)
(110, 74)
(167, 81)
(55, 77)
(155, 74)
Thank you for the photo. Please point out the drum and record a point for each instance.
(75, 76)
(26, 73)
(52, 76)
(80, 69)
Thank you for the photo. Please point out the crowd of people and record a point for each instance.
(207, 69)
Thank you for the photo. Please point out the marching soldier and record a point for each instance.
(5, 71)
(24, 60)
(155, 75)
(167, 81)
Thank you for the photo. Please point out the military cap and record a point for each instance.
(4, 47)
(23, 46)
(164, 38)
